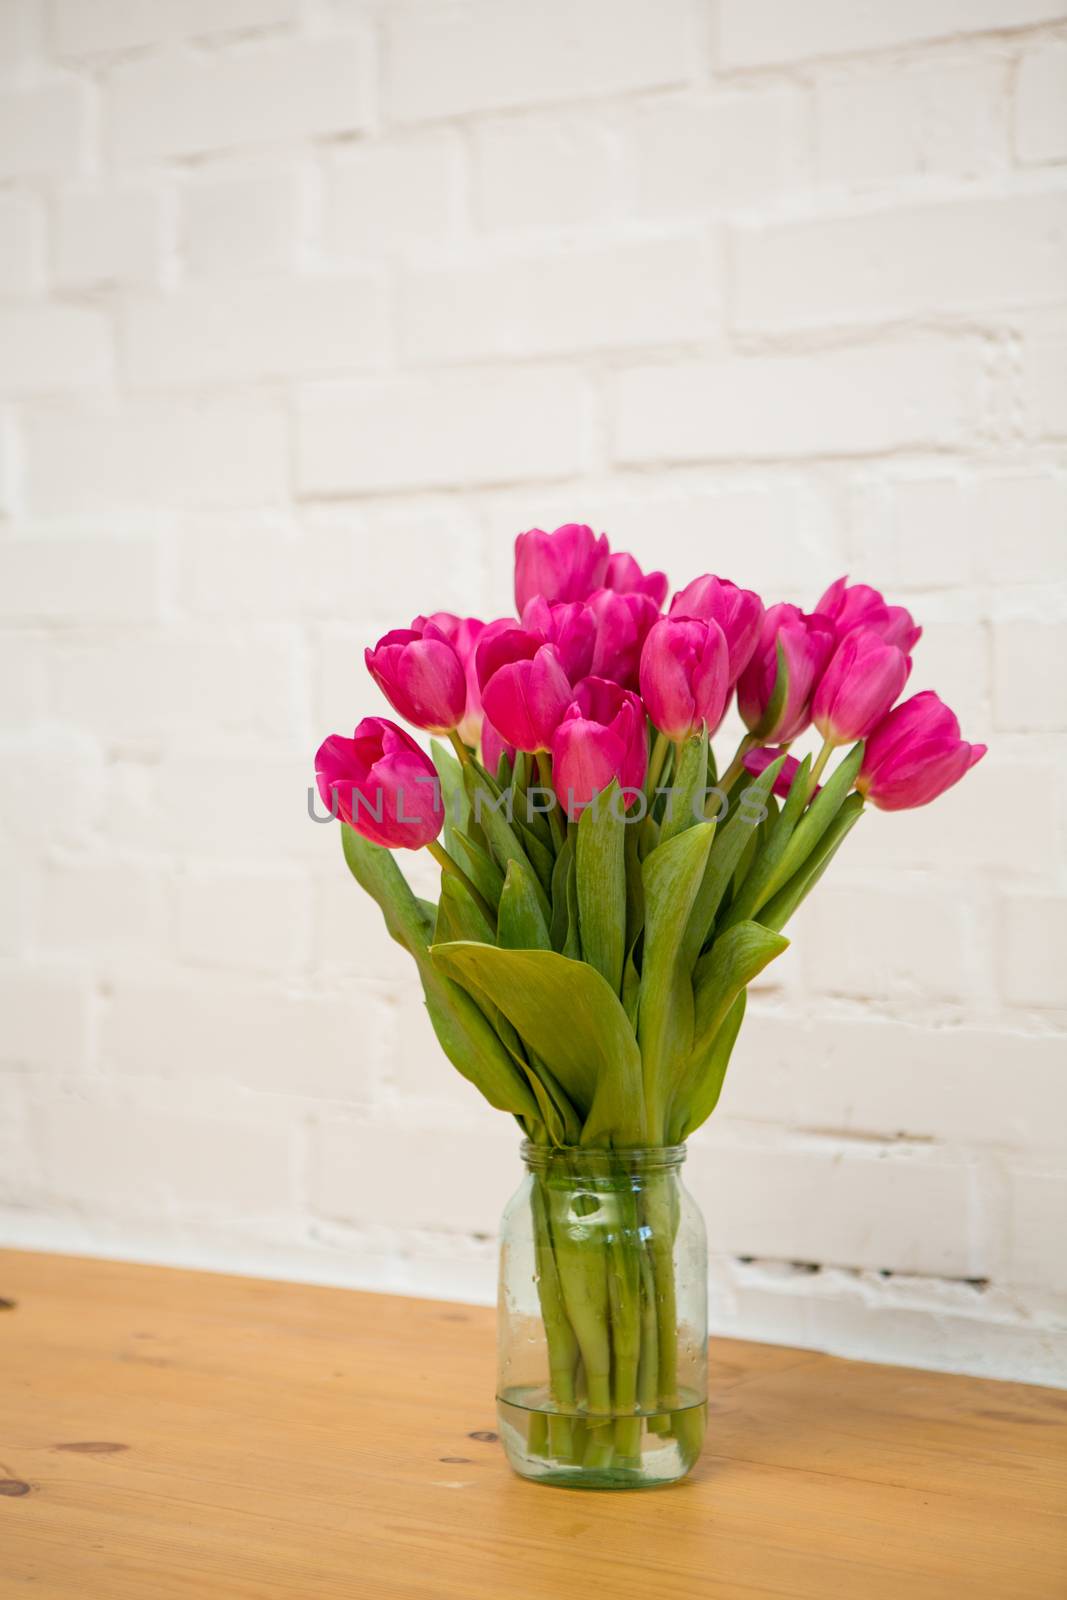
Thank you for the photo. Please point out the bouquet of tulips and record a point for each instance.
(607, 889)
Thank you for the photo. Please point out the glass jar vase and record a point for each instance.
(602, 1319)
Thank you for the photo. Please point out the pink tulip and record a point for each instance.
(739, 613)
(525, 688)
(623, 622)
(493, 747)
(602, 736)
(857, 605)
(863, 679)
(915, 754)
(756, 761)
(421, 675)
(463, 633)
(807, 644)
(624, 576)
(381, 783)
(685, 676)
(570, 626)
(566, 565)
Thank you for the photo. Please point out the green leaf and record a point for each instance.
(569, 1017)
(673, 875)
(459, 916)
(479, 867)
(776, 912)
(758, 885)
(685, 803)
(522, 923)
(490, 807)
(818, 817)
(600, 881)
(730, 841)
(710, 1074)
(720, 980)
(561, 872)
(465, 1034)
(453, 792)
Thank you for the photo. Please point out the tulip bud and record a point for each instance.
(421, 675)
(685, 676)
(382, 784)
(603, 736)
(622, 623)
(566, 565)
(739, 613)
(776, 704)
(624, 576)
(570, 626)
(863, 679)
(857, 605)
(915, 754)
(525, 689)
(463, 633)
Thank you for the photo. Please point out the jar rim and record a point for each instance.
(595, 1158)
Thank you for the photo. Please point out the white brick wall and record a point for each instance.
(305, 309)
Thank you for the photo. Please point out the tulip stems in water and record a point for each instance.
(460, 748)
(446, 863)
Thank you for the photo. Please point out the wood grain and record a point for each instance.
(170, 1434)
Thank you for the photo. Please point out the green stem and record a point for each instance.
(556, 818)
(660, 749)
(446, 863)
(459, 747)
(817, 770)
(559, 1335)
(736, 767)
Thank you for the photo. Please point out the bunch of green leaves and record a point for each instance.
(594, 982)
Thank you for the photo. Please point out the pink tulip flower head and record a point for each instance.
(776, 708)
(915, 754)
(623, 622)
(602, 736)
(419, 671)
(570, 625)
(739, 613)
(493, 747)
(864, 678)
(381, 784)
(857, 605)
(624, 576)
(463, 633)
(566, 565)
(685, 676)
(525, 688)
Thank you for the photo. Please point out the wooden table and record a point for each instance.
(175, 1434)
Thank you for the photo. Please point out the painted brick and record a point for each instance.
(1041, 104)
(559, 51)
(914, 942)
(21, 242)
(1033, 935)
(548, 171)
(82, 580)
(759, 32)
(42, 130)
(1036, 1255)
(659, 293)
(849, 402)
(1030, 690)
(953, 258)
(404, 194)
(107, 25)
(105, 911)
(1045, 384)
(183, 104)
(108, 236)
(242, 221)
(225, 451)
(53, 347)
(738, 151)
(45, 1018)
(452, 428)
(255, 921)
(258, 328)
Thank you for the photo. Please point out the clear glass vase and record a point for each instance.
(602, 1319)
